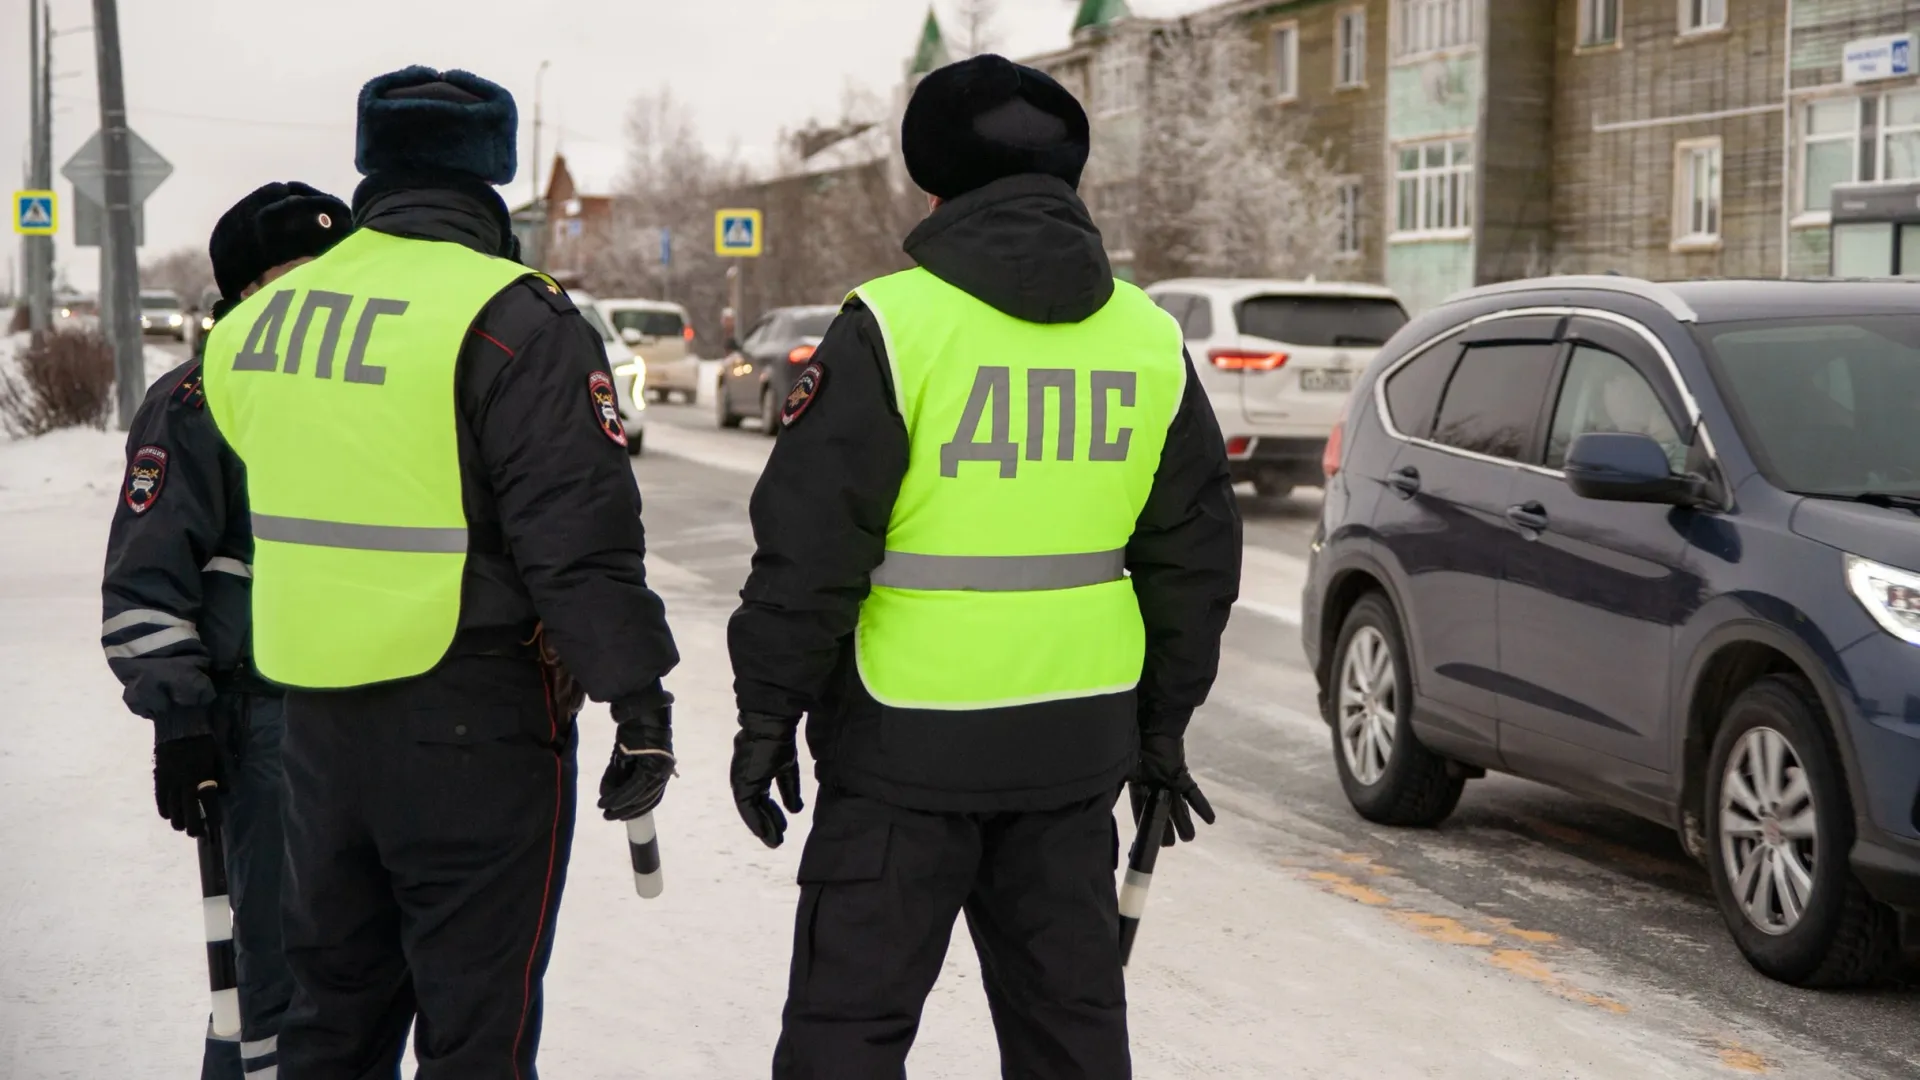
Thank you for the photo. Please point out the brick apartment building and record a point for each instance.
(1492, 139)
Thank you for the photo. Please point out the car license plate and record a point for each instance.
(1326, 381)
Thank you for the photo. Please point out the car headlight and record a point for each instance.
(175, 320)
(1890, 595)
(145, 323)
(206, 322)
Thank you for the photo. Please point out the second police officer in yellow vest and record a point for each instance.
(997, 546)
(445, 526)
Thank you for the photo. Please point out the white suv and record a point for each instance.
(1277, 359)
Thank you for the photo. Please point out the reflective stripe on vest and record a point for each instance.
(335, 386)
(1032, 450)
(341, 534)
(1000, 573)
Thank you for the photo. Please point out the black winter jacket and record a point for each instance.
(176, 590)
(1027, 246)
(552, 507)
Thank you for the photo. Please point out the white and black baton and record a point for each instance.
(643, 847)
(223, 978)
(1140, 862)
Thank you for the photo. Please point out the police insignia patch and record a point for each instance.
(146, 474)
(606, 407)
(806, 390)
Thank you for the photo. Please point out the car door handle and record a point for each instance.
(1405, 480)
(1528, 517)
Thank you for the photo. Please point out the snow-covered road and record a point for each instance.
(1273, 948)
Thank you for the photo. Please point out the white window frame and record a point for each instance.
(1425, 27)
(1687, 199)
(1351, 210)
(1590, 12)
(1450, 185)
(1702, 16)
(1852, 137)
(1350, 49)
(1883, 134)
(1283, 39)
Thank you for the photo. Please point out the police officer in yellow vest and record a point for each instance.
(445, 524)
(997, 546)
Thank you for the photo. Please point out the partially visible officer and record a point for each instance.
(175, 609)
(997, 546)
(445, 524)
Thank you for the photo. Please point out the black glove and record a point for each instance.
(180, 768)
(1163, 767)
(764, 753)
(636, 778)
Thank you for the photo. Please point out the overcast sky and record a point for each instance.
(236, 93)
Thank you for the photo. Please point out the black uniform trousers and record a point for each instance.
(428, 826)
(880, 886)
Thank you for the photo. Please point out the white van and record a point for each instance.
(663, 336)
(1277, 359)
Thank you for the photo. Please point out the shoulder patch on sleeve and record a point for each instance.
(806, 390)
(146, 475)
(191, 390)
(606, 407)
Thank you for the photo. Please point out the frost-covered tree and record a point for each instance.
(1230, 185)
(974, 31)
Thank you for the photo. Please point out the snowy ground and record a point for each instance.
(1268, 950)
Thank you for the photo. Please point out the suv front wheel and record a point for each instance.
(1779, 826)
(1389, 777)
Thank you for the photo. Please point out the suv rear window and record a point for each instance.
(811, 323)
(1321, 321)
(649, 323)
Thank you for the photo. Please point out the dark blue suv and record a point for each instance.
(1656, 545)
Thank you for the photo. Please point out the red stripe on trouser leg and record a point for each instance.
(546, 890)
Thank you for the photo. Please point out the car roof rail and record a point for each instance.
(1613, 283)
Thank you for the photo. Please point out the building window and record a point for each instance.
(1425, 26)
(1286, 61)
(1350, 68)
(1831, 151)
(1899, 154)
(1874, 139)
(1696, 164)
(1599, 22)
(1119, 80)
(1434, 188)
(1701, 15)
(1350, 235)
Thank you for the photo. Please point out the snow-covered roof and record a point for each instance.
(596, 168)
(1034, 29)
(873, 144)
(1235, 289)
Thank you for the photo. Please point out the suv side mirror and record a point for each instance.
(1620, 467)
(630, 336)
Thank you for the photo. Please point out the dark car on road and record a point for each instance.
(756, 378)
(1657, 545)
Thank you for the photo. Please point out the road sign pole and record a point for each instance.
(124, 331)
(39, 250)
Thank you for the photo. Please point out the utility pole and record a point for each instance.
(38, 250)
(121, 277)
(539, 252)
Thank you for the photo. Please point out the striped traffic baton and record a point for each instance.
(643, 847)
(222, 975)
(1140, 862)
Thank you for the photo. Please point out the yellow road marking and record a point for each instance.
(1742, 1060)
(1342, 885)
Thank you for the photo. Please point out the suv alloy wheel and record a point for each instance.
(1389, 777)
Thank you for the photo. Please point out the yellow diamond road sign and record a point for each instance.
(738, 233)
(35, 213)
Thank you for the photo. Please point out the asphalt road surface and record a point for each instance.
(1596, 890)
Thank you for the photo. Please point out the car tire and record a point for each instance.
(1840, 936)
(1270, 488)
(1395, 780)
(726, 417)
(769, 414)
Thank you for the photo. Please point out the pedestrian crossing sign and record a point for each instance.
(738, 233)
(34, 212)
